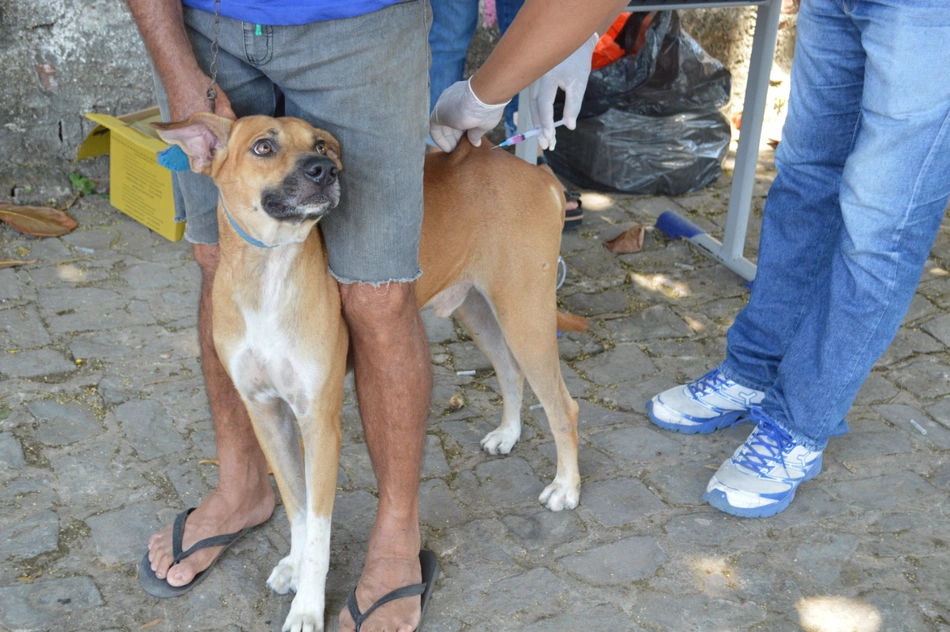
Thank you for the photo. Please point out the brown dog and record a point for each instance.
(488, 253)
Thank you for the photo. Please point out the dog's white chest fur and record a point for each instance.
(266, 365)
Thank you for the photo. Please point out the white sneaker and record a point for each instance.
(760, 479)
(704, 405)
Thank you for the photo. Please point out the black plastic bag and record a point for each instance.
(650, 123)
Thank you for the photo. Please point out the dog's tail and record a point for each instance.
(569, 322)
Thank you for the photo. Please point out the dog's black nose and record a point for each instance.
(320, 170)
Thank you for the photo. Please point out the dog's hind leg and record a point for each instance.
(532, 338)
(479, 320)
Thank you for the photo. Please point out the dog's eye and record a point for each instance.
(263, 148)
(321, 147)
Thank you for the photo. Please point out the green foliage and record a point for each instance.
(82, 184)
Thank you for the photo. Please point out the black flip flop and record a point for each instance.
(430, 571)
(575, 216)
(161, 588)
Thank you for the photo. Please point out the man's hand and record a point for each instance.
(189, 95)
(571, 76)
(458, 110)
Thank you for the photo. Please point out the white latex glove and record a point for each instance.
(458, 110)
(571, 76)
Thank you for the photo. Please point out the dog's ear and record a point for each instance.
(203, 136)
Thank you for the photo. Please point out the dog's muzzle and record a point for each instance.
(307, 193)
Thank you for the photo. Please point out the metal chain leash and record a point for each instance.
(212, 93)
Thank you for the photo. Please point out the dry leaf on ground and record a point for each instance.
(630, 240)
(9, 263)
(41, 221)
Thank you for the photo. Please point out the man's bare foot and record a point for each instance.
(392, 562)
(221, 512)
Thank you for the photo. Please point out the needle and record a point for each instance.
(517, 138)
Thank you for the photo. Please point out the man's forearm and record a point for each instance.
(543, 34)
(162, 27)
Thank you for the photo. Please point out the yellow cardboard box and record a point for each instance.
(139, 186)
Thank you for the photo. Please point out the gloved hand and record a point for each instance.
(458, 110)
(571, 76)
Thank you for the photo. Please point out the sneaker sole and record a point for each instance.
(708, 427)
(718, 499)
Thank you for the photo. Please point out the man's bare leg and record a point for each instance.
(243, 496)
(393, 383)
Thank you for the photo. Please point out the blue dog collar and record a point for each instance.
(240, 231)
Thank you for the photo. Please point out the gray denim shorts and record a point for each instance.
(363, 79)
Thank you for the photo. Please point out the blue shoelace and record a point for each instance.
(772, 440)
(707, 383)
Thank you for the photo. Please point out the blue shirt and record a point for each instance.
(285, 12)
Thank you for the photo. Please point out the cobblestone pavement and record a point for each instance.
(104, 426)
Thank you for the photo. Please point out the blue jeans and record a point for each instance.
(863, 181)
(453, 24)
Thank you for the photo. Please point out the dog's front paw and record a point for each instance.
(283, 578)
(303, 622)
(501, 440)
(560, 495)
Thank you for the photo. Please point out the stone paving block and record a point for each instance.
(634, 395)
(22, 328)
(78, 271)
(47, 249)
(592, 417)
(620, 501)
(925, 375)
(9, 285)
(625, 361)
(32, 534)
(11, 452)
(706, 528)
(143, 344)
(517, 601)
(355, 461)
(939, 328)
(46, 603)
(148, 428)
(478, 550)
(814, 502)
(617, 563)
(877, 388)
(90, 238)
(121, 535)
(823, 560)
(882, 492)
(654, 322)
(468, 357)
(593, 463)
(682, 483)
(612, 301)
(907, 343)
(697, 613)
(508, 481)
(544, 530)
(439, 506)
(63, 423)
(33, 364)
(438, 330)
(638, 444)
(596, 617)
(94, 474)
(861, 444)
(433, 460)
(908, 418)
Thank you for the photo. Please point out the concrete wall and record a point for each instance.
(62, 58)
(58, 60)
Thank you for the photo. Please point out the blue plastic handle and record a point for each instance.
(677, 227)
